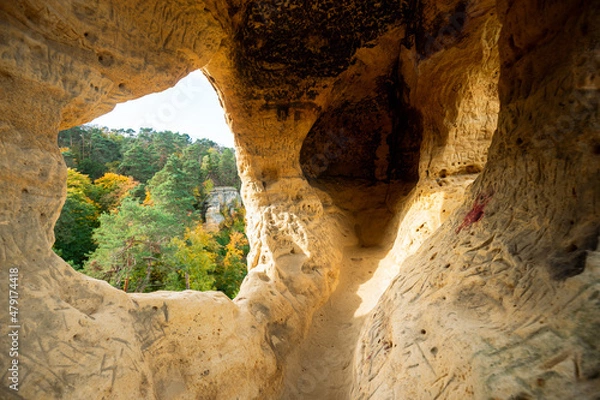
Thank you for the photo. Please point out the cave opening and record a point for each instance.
(398, 156)
(152, 188)
(365, 154)
(376, 139)
(192, 106)
(477, 296)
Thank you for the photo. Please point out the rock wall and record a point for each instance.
(501, 301)
(382, 264)
(222, 199)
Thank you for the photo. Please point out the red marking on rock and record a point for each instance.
(476, 212)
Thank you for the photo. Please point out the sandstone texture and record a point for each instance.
(422, 185)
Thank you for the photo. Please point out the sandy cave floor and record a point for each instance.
(324, 361)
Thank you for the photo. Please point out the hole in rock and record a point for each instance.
(365, 154)
(153, 193)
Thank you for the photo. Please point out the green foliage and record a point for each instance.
(231, 270)
(149, 151)
(74, 228)
(227, 169)
(90, 149)
(79, 217)
(139, 162)
(212, 260)
(231, 267)
(160, 244)
(219, 167)
(172, 189)
(194, 261)
(131, 243)
(142, 248)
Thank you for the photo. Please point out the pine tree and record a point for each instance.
(172, 190)
(139, 162)
(132, 242)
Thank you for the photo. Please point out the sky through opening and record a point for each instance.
(191, 107)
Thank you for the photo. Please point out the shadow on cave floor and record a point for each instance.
(373, 208)
(321, 368)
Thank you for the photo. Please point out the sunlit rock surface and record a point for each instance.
(221, 200)
(422, 185)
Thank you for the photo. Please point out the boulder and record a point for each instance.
(222, 199)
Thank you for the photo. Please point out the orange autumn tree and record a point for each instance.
(194, 260)
(112, 188)
(232, 269)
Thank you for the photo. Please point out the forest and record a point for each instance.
(133, 214)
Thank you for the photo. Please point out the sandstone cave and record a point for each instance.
(422, 184)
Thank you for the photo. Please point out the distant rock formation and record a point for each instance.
(222, 199)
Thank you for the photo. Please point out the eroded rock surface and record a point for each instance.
(222, 199)
(392, 255)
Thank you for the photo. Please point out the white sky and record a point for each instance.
(191, 107)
